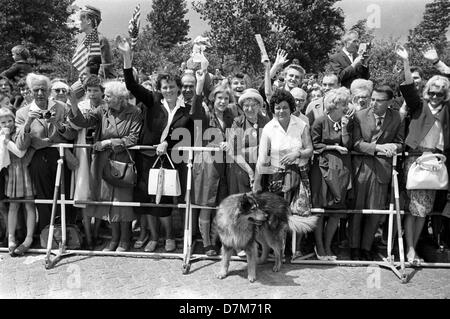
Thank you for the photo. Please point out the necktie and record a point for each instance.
(379, 123)
(376, 133)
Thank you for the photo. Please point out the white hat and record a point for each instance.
(251, 94)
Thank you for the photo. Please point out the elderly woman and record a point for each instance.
(331, 175)
(209, 172)
(361, 91)
(244, 142)
(45, 121)
(117, 127)
(284, 150)
(300, 97)
(429, 131)
(166, 117)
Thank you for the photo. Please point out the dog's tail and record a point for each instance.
(302, 224)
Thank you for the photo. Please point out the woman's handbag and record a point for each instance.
(73, 237)
(163, 181)
(120, 174)
(301, 201)
(428, 172)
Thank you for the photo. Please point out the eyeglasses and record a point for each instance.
(436, 94)
(59, 91)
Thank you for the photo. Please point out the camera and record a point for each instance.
(46, 115)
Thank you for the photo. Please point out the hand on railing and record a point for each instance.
(161, 148)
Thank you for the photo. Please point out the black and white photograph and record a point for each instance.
(224, 155)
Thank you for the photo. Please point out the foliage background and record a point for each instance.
(308, 29)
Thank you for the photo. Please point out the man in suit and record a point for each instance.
(348, 63)
(378, 133)
(45, 121)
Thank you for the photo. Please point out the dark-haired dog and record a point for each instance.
(245, 219)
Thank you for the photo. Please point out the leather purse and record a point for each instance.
(163, 181)
(73, 237)
(120, 174)
(428, 172)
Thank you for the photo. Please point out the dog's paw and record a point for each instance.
(221, 275)
(251, 278)
(276, 268)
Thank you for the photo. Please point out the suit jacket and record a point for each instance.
(392, 131)
(40, 130)
(421, 118)
(342, 66)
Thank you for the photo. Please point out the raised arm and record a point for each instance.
(267, 82)
(430, 54)
(280, 61)
(409, 92)
(138, 91)
(403, 54)
(197, 109)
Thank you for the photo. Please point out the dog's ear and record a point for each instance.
(245, 203)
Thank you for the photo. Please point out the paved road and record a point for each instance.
(119, 277)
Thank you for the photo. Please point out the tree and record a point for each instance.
(314, 26)
(42, 27)
(233, 25)
(307, 29)
(168, 26)
(365, 34)
(432, 29)
(385, 67)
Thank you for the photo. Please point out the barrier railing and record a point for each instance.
(187, 255)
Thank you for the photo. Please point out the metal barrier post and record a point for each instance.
(60, 184)
(399, 222)
(187, 247)
(48, 262)
(188, 255)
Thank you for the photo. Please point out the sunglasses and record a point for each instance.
(436, 94)
(59, 91)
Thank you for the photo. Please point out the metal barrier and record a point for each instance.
(187, 255)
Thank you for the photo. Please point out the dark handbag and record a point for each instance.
(120, 174)
(276, 182)
(73, 237)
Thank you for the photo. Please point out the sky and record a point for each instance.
(389, 17)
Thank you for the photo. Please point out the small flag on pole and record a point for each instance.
(89, 47)
(133, 26)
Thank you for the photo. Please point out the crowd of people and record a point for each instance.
(294, 136)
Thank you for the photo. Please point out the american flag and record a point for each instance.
(89, 47)
(133, 26)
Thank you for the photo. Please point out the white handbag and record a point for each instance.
(428, 172)
(163, 181)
